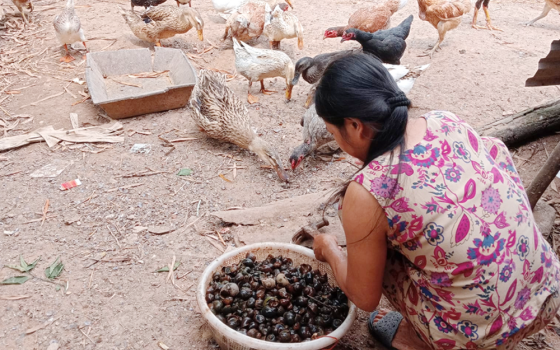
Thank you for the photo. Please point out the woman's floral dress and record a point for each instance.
(467, 267)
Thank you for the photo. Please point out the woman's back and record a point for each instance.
(466, 235)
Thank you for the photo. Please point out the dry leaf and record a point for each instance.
(224, 178)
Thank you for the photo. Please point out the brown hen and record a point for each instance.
(444, 15)
(370, 19)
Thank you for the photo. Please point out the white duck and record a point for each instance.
(280, 24)
(258, 64)
(68, 29)
(228, 6)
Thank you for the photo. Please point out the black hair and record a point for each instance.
(358, 86)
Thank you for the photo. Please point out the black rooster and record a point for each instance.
(388, 45)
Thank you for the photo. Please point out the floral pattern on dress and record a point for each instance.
(467, 265)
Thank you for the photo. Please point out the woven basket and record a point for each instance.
(229, 339)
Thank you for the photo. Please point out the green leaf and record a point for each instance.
(54, 270)
(15, 280)
(24, 266)
(166, 268)
(185, 172)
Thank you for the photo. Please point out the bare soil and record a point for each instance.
(111, 297)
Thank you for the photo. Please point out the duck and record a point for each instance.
(223, 116)
(280, 24)
(312, 69)
(21, 4)
(145, 3)
(183, 2)
(387, 45)
(247, 22)
(163, 22)
(258, 64)
(229, 6)
(314, 132)
(370, 19)
(69, 29)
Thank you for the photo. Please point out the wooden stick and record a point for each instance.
(111, 232)
(545, 176)
(45, 211)
(125, 187)
(42, 100)
(221, 239)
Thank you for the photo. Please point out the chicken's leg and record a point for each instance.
(475, 14)
(443, 27)
(67, 58)
(489, 25)
(265, 91)
(543, 14)
(489, 20)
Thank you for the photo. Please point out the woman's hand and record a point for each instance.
(322, 244)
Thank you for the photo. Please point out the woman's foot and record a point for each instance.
(405, 337)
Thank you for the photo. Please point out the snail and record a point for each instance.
(275, 301)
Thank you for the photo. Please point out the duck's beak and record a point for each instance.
(309, 101)
(290, 3)
(289, 92)
(282, 174)
(200, 35)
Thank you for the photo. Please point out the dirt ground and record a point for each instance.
(111, 297)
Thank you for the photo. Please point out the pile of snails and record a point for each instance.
(275, 301)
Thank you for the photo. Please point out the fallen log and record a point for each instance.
(527, 125)
(545, 176)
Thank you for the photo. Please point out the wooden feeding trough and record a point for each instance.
(128, 83)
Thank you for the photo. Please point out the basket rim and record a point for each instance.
(256, 343)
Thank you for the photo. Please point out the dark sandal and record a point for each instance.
(385, 329)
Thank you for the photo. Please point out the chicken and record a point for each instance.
(444, 15)
(312, 69)
(183, 2)
(489, 25)
(247, 22)
(548, 5)
(223, 116)
(145, 3)
(314, 132)
(69, 29)
(279, 25)
(387, 45)
(164, 22)
(369, 19)
(21, 4)
(258, 64)
(315, 135)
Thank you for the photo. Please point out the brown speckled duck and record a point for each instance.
(223, 116)
(164, 22)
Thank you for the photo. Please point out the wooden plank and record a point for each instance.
(548, 72)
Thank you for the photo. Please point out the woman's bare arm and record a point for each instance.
(360, 272)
